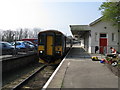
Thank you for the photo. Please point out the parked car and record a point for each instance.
(22, 45)
(32, 45)
(7, 48)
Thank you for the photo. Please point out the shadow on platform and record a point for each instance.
(78, 52)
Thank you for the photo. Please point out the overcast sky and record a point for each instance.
(48, 15)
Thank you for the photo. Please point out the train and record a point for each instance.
(52, 46)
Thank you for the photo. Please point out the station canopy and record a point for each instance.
(80, 30)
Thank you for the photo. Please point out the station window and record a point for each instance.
(103, 35)
(113, 36)
(96, 36)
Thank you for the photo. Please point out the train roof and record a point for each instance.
(56, 31)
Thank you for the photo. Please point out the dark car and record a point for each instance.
(7, 48)
(32, 45)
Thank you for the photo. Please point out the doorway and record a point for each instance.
(49, 45)
(103, 43)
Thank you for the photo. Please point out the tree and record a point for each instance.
(111, 12)
(25, 35)
(20, 34)
(35, 32)
(8, 35)
(1, 34)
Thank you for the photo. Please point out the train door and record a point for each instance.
(49, 47)
(103, 43)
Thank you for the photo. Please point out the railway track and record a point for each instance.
(29, 80)
(17, 84)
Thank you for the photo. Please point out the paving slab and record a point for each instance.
(79, 71)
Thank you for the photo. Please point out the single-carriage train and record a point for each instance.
(52, 45)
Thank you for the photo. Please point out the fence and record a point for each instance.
(19, 52)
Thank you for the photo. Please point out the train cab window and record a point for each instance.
(58, 39)
(42, 39)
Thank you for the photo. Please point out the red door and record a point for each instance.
(103, 43)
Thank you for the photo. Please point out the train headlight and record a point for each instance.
(58, 52)
(41, 51)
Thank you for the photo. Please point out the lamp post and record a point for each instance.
(15, 43)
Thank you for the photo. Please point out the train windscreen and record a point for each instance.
(42, 39)
(58, 39)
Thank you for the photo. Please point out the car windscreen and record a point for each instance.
(0, 45)
(8, 44)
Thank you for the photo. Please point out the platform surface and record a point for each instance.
(79, 71)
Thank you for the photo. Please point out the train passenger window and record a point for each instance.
(42, 39)
(58, 40)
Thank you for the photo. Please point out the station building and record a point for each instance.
(101, 34)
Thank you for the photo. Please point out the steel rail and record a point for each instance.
(17, 84)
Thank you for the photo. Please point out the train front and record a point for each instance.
(50, 46)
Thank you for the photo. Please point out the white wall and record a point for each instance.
(82, 42)
(86, 43)
(89, 49)
(99, 28)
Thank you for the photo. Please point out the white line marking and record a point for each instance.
(68, 63)
(50, 79)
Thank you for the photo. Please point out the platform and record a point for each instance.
(79, 71)
(5, 56)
